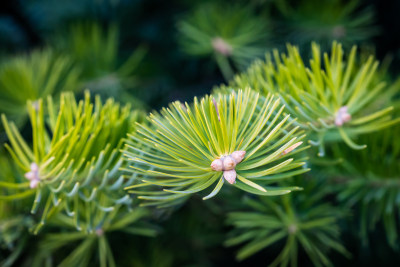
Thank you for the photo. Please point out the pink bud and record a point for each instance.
(342, 116)
(34, 183)
(343, 109)
(217, 165)
(99, 232)
(238, 156)
(33, 175)
(229, 163)
(338, 121)
(221, 46)
(30, 175)
(230, 176)
(346, 117)
(34, 167)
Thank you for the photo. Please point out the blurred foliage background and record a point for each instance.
(167, 72)
(147, 53)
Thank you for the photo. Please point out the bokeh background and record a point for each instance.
(168, 73)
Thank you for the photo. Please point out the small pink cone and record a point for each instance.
(342, 116)
(33, 183)
(221, 46)
(34, 167)
(99, 232)
(229, 163)
(217, 165)
(33, 175)
(30, 175)
(238, 156)
(230, 176)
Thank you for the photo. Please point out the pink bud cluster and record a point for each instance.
(227, 164)
(342, 116)
(99, 232)
(33, 175)
(221, 46)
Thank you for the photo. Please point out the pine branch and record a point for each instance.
(333, 100)
(337, 20)
(74, 160)
(95, 51)
(302, 221)
(227, 33)
(370, 182)
(238, 137)
(34, 76)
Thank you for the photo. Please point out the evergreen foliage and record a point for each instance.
(73, 163)
(335, 99)
(92, 247)
(177, 150)
(95, 50)
(88, 181)
(232, 35)
(302, 220)
(14, 220)
(369, 181)
(34, 76)
(336, 20)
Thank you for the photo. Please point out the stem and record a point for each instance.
(224, 66)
